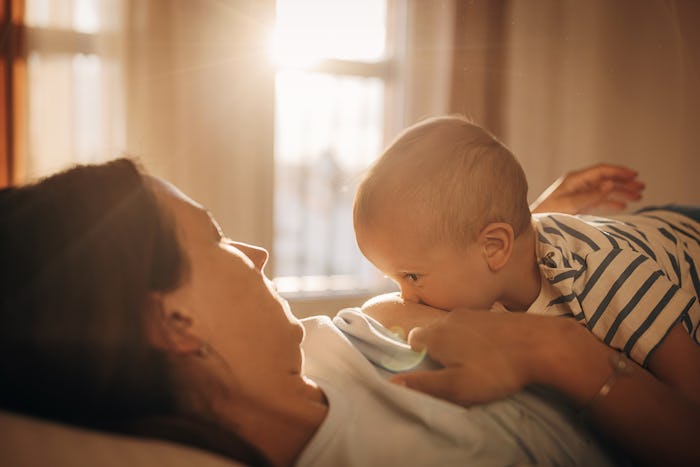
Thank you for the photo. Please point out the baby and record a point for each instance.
(444, 214)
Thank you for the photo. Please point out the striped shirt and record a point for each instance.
(629, 279)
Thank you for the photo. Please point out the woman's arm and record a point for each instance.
(602, 186)
(491, 355)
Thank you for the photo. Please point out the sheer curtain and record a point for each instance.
(74, 84)
(570, 84)
(200, 105)
(12, 81)
(606, 81)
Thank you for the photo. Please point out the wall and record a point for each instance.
(201, 105)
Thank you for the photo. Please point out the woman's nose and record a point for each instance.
(258, 255)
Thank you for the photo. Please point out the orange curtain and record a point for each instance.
(12, 86)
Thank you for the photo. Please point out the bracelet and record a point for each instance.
(621, 367)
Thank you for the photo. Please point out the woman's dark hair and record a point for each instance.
(81, 253)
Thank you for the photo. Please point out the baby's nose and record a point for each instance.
(409, 296)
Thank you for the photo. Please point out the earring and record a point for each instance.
(203, 350)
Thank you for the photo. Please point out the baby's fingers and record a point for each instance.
(601, 171)
(631, 190)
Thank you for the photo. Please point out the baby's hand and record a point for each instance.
(398, 315)
(604, 187)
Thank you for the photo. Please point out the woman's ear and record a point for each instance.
(169, 329)
(496, 241)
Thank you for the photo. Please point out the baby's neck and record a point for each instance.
(523, 278)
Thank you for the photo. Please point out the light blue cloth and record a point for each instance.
(379, 345)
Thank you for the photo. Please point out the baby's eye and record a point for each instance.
(410, 276)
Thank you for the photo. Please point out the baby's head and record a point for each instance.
(427, 204)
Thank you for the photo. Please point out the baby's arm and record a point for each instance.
(398, 315)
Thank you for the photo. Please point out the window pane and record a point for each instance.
(328, 130)
(85, 16)
(69, 111)
(50, 114)
(74, 83)
(312, 29)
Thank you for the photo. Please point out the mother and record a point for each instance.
(125, 308)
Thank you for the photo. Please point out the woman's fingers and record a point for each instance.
(462, 384)
(417, 338)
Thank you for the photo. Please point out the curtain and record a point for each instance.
(569, 84)
(586, 82)
(12, 87)
(200, 105)
(478, 62)
(453, 60)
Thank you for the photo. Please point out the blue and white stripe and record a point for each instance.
(629, 279)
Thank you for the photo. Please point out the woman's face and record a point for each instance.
(233, 307)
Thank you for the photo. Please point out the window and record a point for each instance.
(330, 112)
(334, 82)
(74, 83)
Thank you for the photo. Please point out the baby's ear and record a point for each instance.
(496, 241)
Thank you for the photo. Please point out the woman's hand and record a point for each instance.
(486, 355)
(599, 187)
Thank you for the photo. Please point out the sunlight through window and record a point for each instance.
(307, 31)
(328, 129)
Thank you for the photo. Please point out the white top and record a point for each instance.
(629, 279)
(372, 422)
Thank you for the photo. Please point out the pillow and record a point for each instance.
(32, 442)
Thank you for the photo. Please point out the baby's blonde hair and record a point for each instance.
(456, 177)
